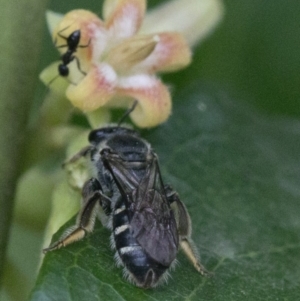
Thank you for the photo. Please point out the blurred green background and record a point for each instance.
(252, 56)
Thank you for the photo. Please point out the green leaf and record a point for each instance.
(238, 173)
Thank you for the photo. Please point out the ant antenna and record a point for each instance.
(127, 113)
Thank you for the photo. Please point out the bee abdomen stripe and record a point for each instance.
(121, 229)
(129, 249)
(119, 210)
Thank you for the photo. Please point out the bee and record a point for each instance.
(72, 44)
(147, 219)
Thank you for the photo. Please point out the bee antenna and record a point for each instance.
(127, 113)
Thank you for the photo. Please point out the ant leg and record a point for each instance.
(66, 38)
(92, 195)
(84, 46)
(60, 46)
(185, 230)
(78, 65)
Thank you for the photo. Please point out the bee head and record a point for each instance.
(99, 135)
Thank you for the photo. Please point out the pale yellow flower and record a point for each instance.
(117, 63)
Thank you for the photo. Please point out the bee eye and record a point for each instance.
(96, 136)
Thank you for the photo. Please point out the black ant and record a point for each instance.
(72, 42)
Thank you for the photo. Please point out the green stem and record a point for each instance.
(21, 24)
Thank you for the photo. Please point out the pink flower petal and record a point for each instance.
(154, 100)
(95, 90)
(171, 53)
(125, 18)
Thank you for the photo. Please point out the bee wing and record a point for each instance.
(153, 223)
(121, 171)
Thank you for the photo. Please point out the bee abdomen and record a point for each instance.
(139, 266)
(141, 269)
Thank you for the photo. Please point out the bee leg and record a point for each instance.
(185, 230)
(105, 210)
(92, 196)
